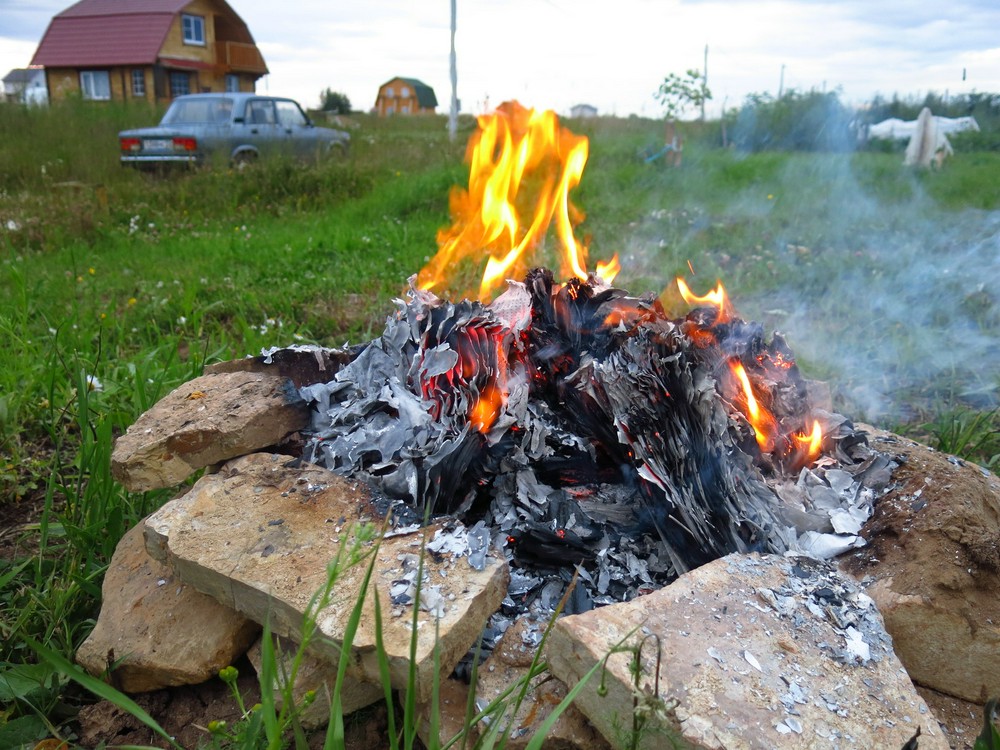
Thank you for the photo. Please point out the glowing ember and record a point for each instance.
(522, 168)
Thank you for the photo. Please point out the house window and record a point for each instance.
(405, 109)
(389, 93)
(180, 83)
(95, 84)
(404, 92)
(194, 29)
(138, 82)
(232, 83)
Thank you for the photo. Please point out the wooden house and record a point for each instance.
(405, 96)
(151, 50)
(582, 111)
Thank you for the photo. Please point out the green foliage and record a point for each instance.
(679, 93)
(797, 121)
(963, 432)
(334, 101)
(989, 738)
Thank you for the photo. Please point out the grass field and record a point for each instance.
(118, 286)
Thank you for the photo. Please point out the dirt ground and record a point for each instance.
(185, 712)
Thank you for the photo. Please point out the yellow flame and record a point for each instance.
(523, 166)
(764, 426)
(716, 298)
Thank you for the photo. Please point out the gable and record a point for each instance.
(424, 93)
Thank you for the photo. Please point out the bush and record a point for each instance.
(797, 121)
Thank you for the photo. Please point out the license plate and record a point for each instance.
(157, 144)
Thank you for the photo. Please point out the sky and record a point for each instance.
(612, 54)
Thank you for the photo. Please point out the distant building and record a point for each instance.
(151, 50)
(582, 110)
(405, 96)
(25, 86)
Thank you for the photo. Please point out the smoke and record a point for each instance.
(881, 292)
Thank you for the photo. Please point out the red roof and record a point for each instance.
(107, 32)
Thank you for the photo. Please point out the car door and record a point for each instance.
(296, 130)
(259, 128)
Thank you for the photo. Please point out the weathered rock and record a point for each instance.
(260, 535)
(303, 365)
(932, 565)
(509, 664)
(203, 422)
(754, 652)
(318, 676)
(163, 632)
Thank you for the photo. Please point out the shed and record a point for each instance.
(583, 111)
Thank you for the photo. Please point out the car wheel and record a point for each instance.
(244, 159)
(337, 151)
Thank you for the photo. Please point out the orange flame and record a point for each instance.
(810, 445)
(765, 427)
(716, 298)
(522, 168)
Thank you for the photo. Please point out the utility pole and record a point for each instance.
(781, 83)
(704, 84)
(453, 113)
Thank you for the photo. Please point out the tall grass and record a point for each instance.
(117, 286)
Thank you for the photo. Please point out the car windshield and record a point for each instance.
(208, 109)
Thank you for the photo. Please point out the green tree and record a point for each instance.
(678, 93)
(334, 101)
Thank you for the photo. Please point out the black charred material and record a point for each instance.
(620, 374)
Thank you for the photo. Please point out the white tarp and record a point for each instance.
(896, 129)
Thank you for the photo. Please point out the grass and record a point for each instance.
(116, 286)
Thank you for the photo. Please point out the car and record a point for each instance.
(232, 128)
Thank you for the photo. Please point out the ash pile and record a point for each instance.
(571, 427)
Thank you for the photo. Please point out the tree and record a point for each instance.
(678, 93)
(334, 101)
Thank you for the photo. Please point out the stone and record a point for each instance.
(745, 652)
(509, 664)
(260, 535)
(453, 701)
(932, 565)
(317, 675)
(302, 364)
(206, 421)
(163, 631)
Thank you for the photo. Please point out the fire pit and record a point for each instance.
(575, 427)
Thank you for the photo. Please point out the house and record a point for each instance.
(25, 86)
(405, 96)
(582, 111)
(150, 50)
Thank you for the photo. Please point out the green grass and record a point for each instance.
(883, 278)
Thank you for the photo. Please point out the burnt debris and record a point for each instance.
(573, 427)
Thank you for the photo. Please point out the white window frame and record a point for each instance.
(138, 82)
(389, 94)
(404, 92)
(193, 29)
(95, 85)
(232, 83)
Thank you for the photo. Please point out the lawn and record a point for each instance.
(118, 286)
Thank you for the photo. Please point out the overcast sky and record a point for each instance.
(613, 54)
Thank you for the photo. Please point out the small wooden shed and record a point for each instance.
(405, 96)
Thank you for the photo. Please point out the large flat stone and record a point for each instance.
(203, 422)
(161, 631)
(756, 652)
(260, 534)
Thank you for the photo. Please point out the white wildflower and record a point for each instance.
(93, 384)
